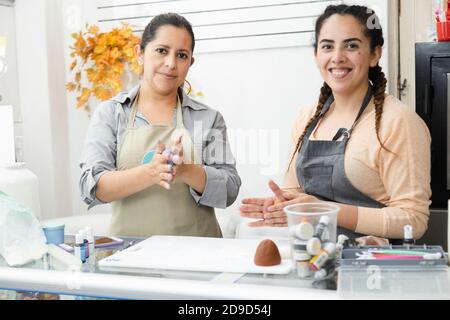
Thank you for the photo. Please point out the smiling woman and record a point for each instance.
(174, 191)
(358, 146)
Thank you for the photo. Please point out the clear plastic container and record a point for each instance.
(393, 282)
(308, 222)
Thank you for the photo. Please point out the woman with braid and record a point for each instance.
(358, 146)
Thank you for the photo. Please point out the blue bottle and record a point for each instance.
(80, 251)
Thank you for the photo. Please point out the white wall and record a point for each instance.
(259, 93)
(417, 24)
(42, 109)
(47, 116)
(9, 90)
(76, 14)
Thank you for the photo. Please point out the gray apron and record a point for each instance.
(320, 167)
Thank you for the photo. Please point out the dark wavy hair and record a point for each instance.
(164, 19)
(372, 29)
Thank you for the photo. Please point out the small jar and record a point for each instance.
(54, 232)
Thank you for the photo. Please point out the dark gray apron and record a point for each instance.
(320, 167)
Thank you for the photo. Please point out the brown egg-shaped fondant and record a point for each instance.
(267, 254)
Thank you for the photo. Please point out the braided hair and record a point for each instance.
(373, 31)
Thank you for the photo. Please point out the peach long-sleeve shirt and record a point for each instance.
(400, 180)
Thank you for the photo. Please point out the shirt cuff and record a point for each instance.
(215, 192)
(90, 196)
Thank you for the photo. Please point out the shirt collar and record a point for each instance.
(127, 97)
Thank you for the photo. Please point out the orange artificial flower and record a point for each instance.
(102, 57)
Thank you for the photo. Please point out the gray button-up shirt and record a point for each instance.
(205, 125)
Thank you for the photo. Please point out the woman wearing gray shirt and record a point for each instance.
(122, 159)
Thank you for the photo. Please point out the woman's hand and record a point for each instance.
(176, 151)
(270, 209)
(372, 241)
(188, 173)
(193, 175)
(159, 170)
(275, 214)
(255, 208)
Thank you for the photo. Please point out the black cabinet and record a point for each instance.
(433, 105)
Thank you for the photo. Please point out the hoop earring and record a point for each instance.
(190, 86)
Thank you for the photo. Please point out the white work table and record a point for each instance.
(152, 286)
(41, 276)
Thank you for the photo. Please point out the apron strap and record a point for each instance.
(133, 111)
(134, 105)
(343, 131)
(179, 121)
(364, 105)
(325, 108)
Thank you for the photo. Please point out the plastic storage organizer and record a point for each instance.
(360, 278)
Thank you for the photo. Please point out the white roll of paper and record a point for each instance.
(7, 152)
(21, 184)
